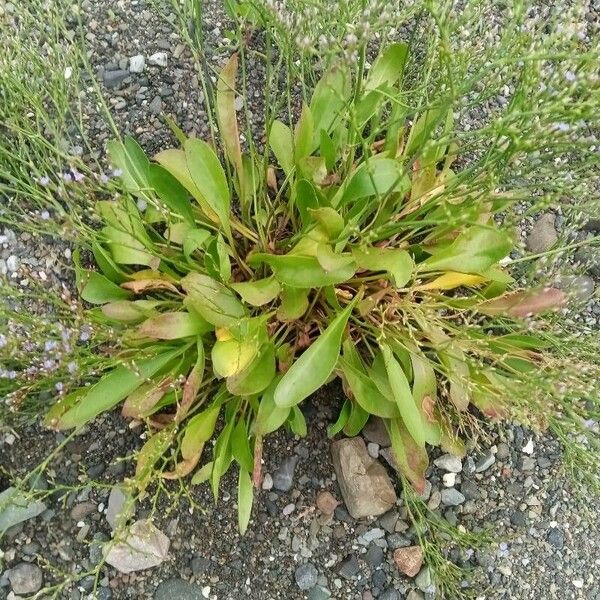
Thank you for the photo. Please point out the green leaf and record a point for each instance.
(356, 421)
(133, 163)
(473, 251)
(128, 250)
(425, 395)
(171, 192)
(422, 128)
(107, 265)
(297, 422)
(128, 311)
(294, 302)
(240, 446)
(175, 129)
(259, 292)
(403, 396)
(221, 456)
(269, 416)
(313, 368)
(194, 240)
(332, 223)
(303, 135)
(173, 326)
(257, 375)
(458, 375)
(376, 176)
(282, 144)
(397, 262)
(388, 66)
(333, 262)
(327, 149)
(203, 474)
(97, 289)
(216, 259)
(305, 199)
(113, 388)
(208, 175)
(175, 162)
(365, 392)
(334, 428)
(329, 101)
(227, 118)
(245, 498)
(199, 429)
(303, 271)
(211, 299)
(410, 458)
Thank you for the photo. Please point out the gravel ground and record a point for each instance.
(544, 534)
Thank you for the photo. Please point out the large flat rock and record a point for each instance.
(366, 487)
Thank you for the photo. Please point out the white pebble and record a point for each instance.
(578, 583)
(267, 483)
(68, 72)
(289, 509)
(449, 479)
(373, 449)
(159, 59)
(13, 263)
(528, 448)
(206, 591)
(137, 63)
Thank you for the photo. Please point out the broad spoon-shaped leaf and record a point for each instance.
(315, 366)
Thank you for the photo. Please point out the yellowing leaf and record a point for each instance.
(451, 280)
(173, 326)
(525, 303)
(281, 142)
(245, 496)
(232, 356)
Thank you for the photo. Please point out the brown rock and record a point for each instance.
(327, 502)
(365, 485)
(409, 560)
(543, 234)
(82, 510)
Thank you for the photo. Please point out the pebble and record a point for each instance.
(371, 535)
(178, 589)
(452, 497)
(389, 594)
(13, 263)
(373, 449)
(349, 567)
(288, 509)
(375, 431)
(374, 556)
(137, 63)
(409, 560)
(306, 576)
(319, 593)
(543, 234)
(449, 479)
(503, 451)
(267, 483)
(159, 59)
(448, 462)
(155, 105)
(556, 538)
(423, 580)
(485, 462)
(25, 578)
(113, 79)
(283, 477)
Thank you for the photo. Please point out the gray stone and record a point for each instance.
(370, 536)
(503, 451)
(306, 576)
(423, 580)
(414, 595)
(556, 538)
(113, 79)
(449, 463)
(156, 105)
(542, 235)
(145, 547)
(178, 589)
(319, 593)
(485, 462)
(16, 507)
(117, 505)
(589, 258)
(137, 63)
(25, 578)
(389, 594)
(374, 556)
(349, 567)
(389, 520)
(267, 483)
(13, 263)
(81, 510)
(375, 431)
(528, 463)
(199, 565)
(283, 477)
(397, 540)
(365, 485)
(452, 497)
(158, 58)
(373, 449)
(518, 518)
(578, 287)
(592, 225)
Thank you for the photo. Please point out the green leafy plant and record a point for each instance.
(240, 286)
